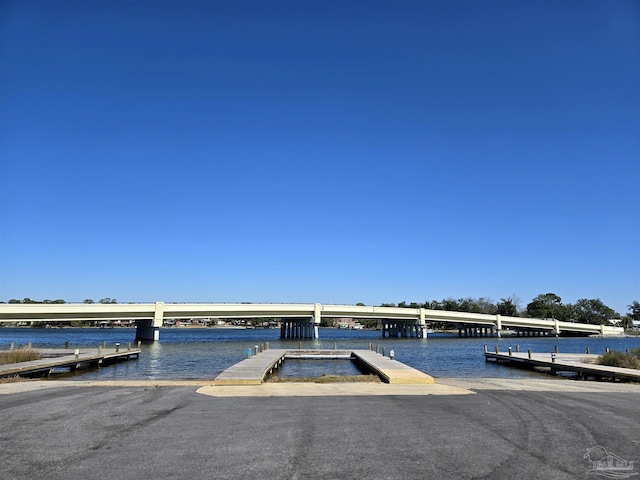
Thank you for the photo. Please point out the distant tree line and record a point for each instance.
(545, 305)
(88, 300)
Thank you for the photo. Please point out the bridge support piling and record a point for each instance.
(298, 328)
(145, 330)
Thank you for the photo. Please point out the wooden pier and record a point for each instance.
(254, 369)
(57, 359)
(581, 364)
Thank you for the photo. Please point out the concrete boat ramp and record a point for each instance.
(255, 369)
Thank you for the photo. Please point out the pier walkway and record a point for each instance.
(582, 364)
(66, 359)
(254, 369)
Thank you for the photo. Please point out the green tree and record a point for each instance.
(545, 305)
(592, 311)
(108, 300)
(88, 300)
(634, 310)
(507, 307)
(450, 304)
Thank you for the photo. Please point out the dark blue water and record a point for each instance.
(203, 353)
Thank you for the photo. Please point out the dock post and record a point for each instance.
(334, 345)
(517, 348)
(99, 350)
(606, 349)
(383, 354)
(509, 351)
(529, 353)
(76, 353)
(117, 347)
(588, 351)
(497, 349)
(66, 344)
(556, 349)
(267, 344)
(29, 346)
(255, 350)
(128, 346)
(485, 348)
(104, 344)
(299, 345)
(11, 346)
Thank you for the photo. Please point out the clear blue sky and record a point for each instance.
(320, 151)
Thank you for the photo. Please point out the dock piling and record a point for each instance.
(497, 349)
(588, 351)
(529, 353)
(66, 344)
(517, 348)
(11, 346)
(556, 348)
(76, 353)
(117, 347)
(510, 354)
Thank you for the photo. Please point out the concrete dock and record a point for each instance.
(54, 359)
(582, 364)
(253, 370)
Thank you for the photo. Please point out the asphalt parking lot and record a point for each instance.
(168, 432)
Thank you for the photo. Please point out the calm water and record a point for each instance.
(202, 353)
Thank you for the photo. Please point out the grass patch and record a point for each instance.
(19, 355)
(615, 358)
(326, 379)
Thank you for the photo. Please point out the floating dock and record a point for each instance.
(581, 364)
(255, 369)
(56, 359)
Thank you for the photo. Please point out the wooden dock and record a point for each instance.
(254, 369)
(57, 359)
(582, 364)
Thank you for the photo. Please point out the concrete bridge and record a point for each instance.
(297, 320)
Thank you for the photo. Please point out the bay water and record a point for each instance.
(203, 353)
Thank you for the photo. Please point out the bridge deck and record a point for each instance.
(254, 369)
(567, 362)
(56, 358)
